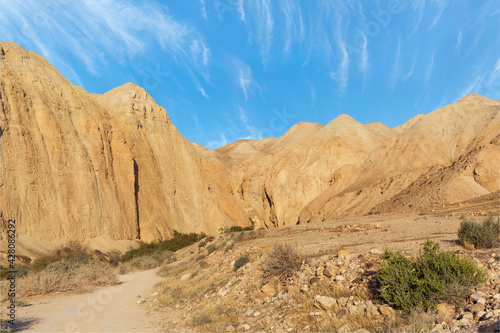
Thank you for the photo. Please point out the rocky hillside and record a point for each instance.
(79, 165)
(315, 173)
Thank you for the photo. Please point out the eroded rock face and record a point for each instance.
(79, 165)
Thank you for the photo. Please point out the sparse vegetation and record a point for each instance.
(283, 262)
(66, 278)
(71, 268)
(235, 228)
(145, 262)
(241, 261)
(413, 283)
(479, 235)
(178, 242)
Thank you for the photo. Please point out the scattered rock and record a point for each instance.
(268, 290)
(186, 276)
(325, 302)
(342, 253)
(386, 310)
(376, 251)
(314, 280)
(229, 328)
(342, 313)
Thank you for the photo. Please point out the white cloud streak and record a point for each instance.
(214, 144)
(396, 72)
(442, 4)
(90, 29)
(429, 69)
(459, 40)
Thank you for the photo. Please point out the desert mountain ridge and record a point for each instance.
(77, 165)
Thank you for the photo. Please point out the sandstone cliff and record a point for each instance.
(81, 165)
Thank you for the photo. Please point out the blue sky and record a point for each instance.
(233, 69)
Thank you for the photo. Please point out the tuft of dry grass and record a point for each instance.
(47, 281)
(282, 262)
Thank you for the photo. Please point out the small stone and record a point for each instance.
(314, 280)
(315, 314)
(371, 310)
(496, 313)
(437, 328)
(249, 313)
(142, 300)
(463, 322)
(186, 276)
(481, 301)
(386, 310)
(497, 296)
(256, 314)
(356, 310)
(340, 278)
(376, 251)
(475, 296)
(342, 313)
(325, 302)
(476, 307)
(478, 315)
(342, 301)
(304, 288)
(245, 327)
(342, 253)
(229, 328)
(466, 315)
(268, 290)
(328, 272)
(487, 316)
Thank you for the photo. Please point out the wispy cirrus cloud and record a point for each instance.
(419, 6)
(244, 78)
(294, 29)
(442, 4)
(459, 40)
(96, 32)
(263, 22)
(494, 76)
(430, 67)
(253, 132)
(396, 71)
(214, 144)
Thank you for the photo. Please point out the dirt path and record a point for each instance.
(111, 309)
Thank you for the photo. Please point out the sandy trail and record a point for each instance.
(111, 309)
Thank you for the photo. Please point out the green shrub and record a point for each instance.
(178, 242)
(3, 272)
(241, 261)
(481, 235)
(413, 283)
(282, 262)
(235, 228)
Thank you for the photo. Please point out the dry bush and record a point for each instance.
(215, 317)
(82, 278)
(174, 290)
(481, 235)
(140, 264)
(282, 262)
